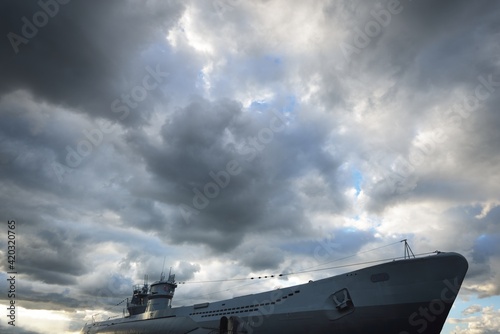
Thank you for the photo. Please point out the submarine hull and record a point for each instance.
(400, 297)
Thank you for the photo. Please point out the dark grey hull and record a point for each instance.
(400, 297)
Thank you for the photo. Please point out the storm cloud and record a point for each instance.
(230, 139)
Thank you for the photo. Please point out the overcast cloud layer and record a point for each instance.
(238, 138)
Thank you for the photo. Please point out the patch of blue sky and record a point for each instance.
(290, 104)
(286, 105)
(357, 179)
(462, 303)
(260, 106)
(486, 246)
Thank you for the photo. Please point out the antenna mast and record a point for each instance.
(408, 251)
(162, 275)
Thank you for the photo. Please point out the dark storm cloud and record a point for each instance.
(217, 207)
(83, 56)
(34, 136)
(421, 34)
(257, 174)
(33, 299)
(261, 257)
(49, 254)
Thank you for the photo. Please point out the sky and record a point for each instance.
(230, 139)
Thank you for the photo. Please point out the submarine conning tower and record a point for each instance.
(161, 294)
